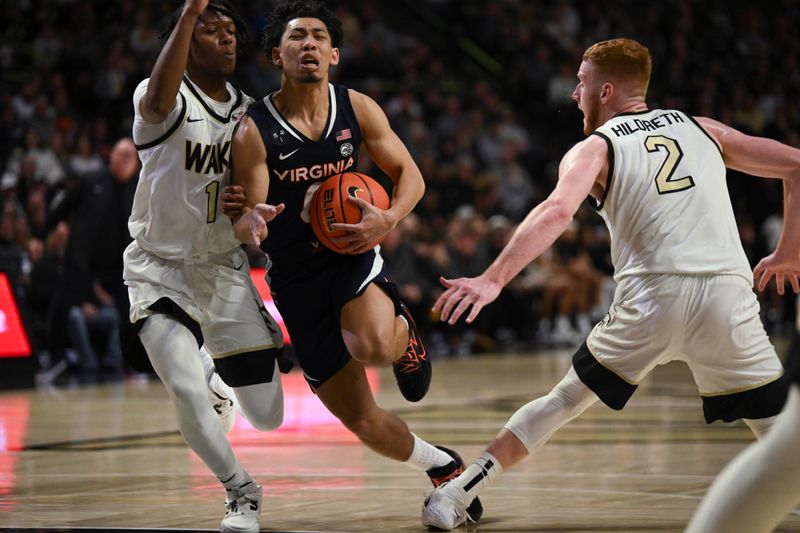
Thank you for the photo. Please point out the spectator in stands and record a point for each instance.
(97, 209)
(468, 113)
(46, 278)
(97, 313)
(12, 254)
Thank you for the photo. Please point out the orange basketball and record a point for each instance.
(329, 204)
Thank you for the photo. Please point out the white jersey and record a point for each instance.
(185, 164)
(666, 202)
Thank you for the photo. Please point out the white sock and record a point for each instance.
(208, 362)
(221, 388)
(425, 456)
(408, 329)
(477, 476)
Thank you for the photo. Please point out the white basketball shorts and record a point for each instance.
(709, 321)
(216, 299)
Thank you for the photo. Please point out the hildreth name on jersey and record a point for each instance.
(207, 158)
(314, 172)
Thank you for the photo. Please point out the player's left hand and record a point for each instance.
(462, 293)
(782, 267)
(232, 200)
(375, 223)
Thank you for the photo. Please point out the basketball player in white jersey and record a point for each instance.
(761, 485)
(188, 279)
(684, 285)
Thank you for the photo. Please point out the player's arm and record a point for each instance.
(165, 80)
(580, 168)
(249, 170)
(767, 158)
(392, 156)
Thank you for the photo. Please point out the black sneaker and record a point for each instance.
(413, 370)
(443, 474)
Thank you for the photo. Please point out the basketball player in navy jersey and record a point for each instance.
(185, 266)
(684, 285)
(341, 311)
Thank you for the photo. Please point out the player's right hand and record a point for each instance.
(463, 293)
(784, 267)
(251, 228)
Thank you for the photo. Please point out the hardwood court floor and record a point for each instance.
(109, 456)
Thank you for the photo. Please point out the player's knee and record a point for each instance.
(372, 350)
(572, 393)
(187, 398)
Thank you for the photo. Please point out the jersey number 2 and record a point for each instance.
(665, 183)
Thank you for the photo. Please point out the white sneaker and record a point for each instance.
(442, 510)
(224, 409)
(242, 512)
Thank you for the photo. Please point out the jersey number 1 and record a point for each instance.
(212, 191)
(665, 183)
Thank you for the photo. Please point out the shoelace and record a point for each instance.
(410, 359)
(234, 503)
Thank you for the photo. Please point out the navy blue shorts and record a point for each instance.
(310, 295)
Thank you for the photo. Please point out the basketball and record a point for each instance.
(329, 205)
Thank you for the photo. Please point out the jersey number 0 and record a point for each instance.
(665, 183)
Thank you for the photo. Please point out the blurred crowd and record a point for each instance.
(480, 92)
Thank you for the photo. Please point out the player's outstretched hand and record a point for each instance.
(375, 223)
(251, 228)
(232, 200)
(784, 269)
(462, 293)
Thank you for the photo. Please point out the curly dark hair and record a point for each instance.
(222, 7)
(281, 15)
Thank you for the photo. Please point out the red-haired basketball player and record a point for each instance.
(684, 284)
(341, 312)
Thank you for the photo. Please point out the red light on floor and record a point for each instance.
(304, 417)
(13, 339)
(257, 274)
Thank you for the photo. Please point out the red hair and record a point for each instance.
(623, 59)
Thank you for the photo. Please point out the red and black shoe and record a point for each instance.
(450, 471)
(413, 370)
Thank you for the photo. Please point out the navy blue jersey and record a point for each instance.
(296, 163)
